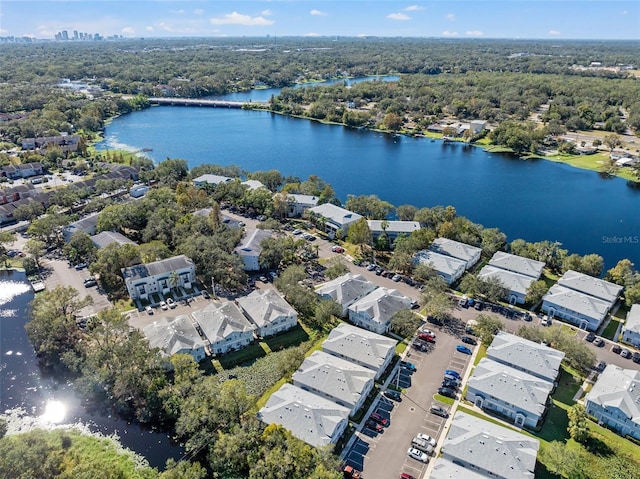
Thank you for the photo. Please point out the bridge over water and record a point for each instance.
(200, 102)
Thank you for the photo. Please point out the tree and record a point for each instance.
(612, 141)
(35, 248)
(109, 263)
(80, 248)
(623, 273)
(562, 460)
(335, 268)
(492, 241)
(170, 171)
(360, 234)
(370, 206)
(325, 312)
(535, 292)
(578, 423)
(404, 323)
(438, 305)
(406, 212)
(487, 327)
(393, 121)
(592, 264)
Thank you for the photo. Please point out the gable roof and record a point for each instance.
(381, 304)
(577, 302)
(84, 224)
(442, 263)
(335, 214)
(445, 469)
(333, 376)
(618, 388)
(522, 390)
(307, 416)
(407, 227)
(365, 347)
(263, 307)
(211, 179)
(250, 244)
(454, 249)
(517, 264)
(598, 288)
(503, 452)
(534, 358)
(303, 199)
(155, 268)
(105, 238)
(346, 289)
(220, 321)
(173, 335)
(518, 283)
(632, 323)
(253, 184)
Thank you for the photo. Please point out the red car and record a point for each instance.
(405, 475)
(374, 426)
(379, 419)
(427, 337)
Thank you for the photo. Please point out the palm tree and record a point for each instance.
(173, 280)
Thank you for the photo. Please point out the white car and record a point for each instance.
(171, 303)
(149, 310)
(418, 455)
(426, 437)
(428, 331)
(163, 306)
(422, 445)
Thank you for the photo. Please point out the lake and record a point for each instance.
(47, 400)
(534, 199)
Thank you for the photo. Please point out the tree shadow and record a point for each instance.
(598, 447)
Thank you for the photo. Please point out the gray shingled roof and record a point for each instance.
(521, 390)
(250, 245)
(168, 265)
(503, 452)
(532, 357)
(598, 288)
(212, 179)
(364, 346)
(444, 264)
(346, 289)
(518, 283)
(335, 214)
(445, 469)
(618, 388)
(454, 249)
(517, 264)
(577, 302)
(381, 304)
(407, 227)
(303, 199)
(173, 335)
(219, 321)
(307, 416)
(632, 323)
(105, 238)
(335, 377)
(263, 307)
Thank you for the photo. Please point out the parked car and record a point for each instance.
(451, 372)
(448, 392)
(379, 419)
(297, 232)
(636, 357)
(422, 445)
(590, 337)
(406, 475)
(616, 348)
(261, 217)
(439, 411)
(625, 353)
(428, 331)
(371, 267)
(396, 277)
(205, 294)
(337, 249)
(463, 349)
(427, 337)
(601, 366)
(80, 266)
(349, 472)
(447, 383)
(468, 340)
(163, 306)
(479, 305)
(546, 321)
(463, 302)
(408, 365)
(149, 310)
(88, 283)
(598, 342)
(418, 455)
(171, 303)
(449, 377)
(415, 305)
(391, 394)
(374, 426)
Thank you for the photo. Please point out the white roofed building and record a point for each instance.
(297, 205)
(462, 251)
(393, 229)
(631, 327)
(249, 249)
(270, 313)
(598, 288)
(159, 276)
(375, 310)
(210, 180)
(448, 267)
(586, 312)
(175, 336)
(346, 290)
(336, 379)
(335, 217)
(517, 264)
(516, 284)
(225, 327)
(360, 346)
(309, 417)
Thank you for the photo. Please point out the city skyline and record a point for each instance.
(526, 19)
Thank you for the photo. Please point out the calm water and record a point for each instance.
(534, 200)
(22, 384)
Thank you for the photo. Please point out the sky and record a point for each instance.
(527, 19)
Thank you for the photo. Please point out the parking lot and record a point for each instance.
(384, 455)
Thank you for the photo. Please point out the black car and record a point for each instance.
(468, 340)
(391, 394)
(616, 348)
(479, 306)
(205, 294)
(448, 392)
(590, 337)
(438, 411)
(450, 384)
(636, 357)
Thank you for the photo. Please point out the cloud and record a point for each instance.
(149, 28)
(413, 8)
(266, 13)
(128, 31)
(177, 12)
(398, 16)
(474, 33)
(198, 11)
(451, 17)
(236, 18)
(317, 13)
(554, 32)
(311, 34)
(168, 27)
(447, 33)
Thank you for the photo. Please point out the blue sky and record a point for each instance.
(538, 19)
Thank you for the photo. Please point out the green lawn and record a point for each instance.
(293, 337)
(401, 347)
(482, 352)
(610, 331)
(444, 399)
(246, 354)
